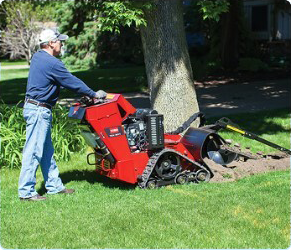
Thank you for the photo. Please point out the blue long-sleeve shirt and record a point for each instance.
(47, 74)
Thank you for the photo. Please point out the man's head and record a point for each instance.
(52, 41)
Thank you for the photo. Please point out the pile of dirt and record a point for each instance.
(239, 169)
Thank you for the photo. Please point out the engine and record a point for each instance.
(144, 130)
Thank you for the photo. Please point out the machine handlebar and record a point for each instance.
(88, 101)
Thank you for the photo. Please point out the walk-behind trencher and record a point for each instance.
(130, 144)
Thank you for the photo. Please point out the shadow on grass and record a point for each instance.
(14, 90)
(91, 177)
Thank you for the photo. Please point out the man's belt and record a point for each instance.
(41, 104)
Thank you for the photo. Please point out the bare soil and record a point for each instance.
(239, 169)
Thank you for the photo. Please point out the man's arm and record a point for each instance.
(69, 81)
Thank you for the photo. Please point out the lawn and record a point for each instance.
(9, 62)
(117, 80)
(250, 213)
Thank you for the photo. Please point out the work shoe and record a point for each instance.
(66, 191)
(36, 197)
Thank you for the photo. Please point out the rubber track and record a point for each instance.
(153, 161)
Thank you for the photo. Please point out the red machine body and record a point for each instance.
(106, 119)
(130, 144)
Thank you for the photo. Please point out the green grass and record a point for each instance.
(272, 125)
(118, 80)
(251, 213)
(13, 74)
(9, 63)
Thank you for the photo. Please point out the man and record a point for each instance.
(47, 75)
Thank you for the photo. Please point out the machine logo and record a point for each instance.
(114, 131)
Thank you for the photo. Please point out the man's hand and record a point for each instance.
(100, 94)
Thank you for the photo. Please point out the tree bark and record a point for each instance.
(230, 35)
(167, 61)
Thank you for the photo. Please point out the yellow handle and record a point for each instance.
(235, 129)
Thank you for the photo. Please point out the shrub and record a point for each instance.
(12, 135)
(81, 51)
(252, 64)
(65, 135)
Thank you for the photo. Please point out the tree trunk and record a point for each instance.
(230, 35)
(167, 61)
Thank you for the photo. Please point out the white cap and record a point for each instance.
(50, 35)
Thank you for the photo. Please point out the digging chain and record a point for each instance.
(242, 153)
(153, 161)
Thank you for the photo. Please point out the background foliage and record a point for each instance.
(21, 22)
(98, 33)
(81, 51)
(106, 33)
(213, 9)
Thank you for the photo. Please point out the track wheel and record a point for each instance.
(151, 184)
(191, 177)
(202, 175)
(168, 166)
(181, 179)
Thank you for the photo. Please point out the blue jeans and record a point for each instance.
(38, 150)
